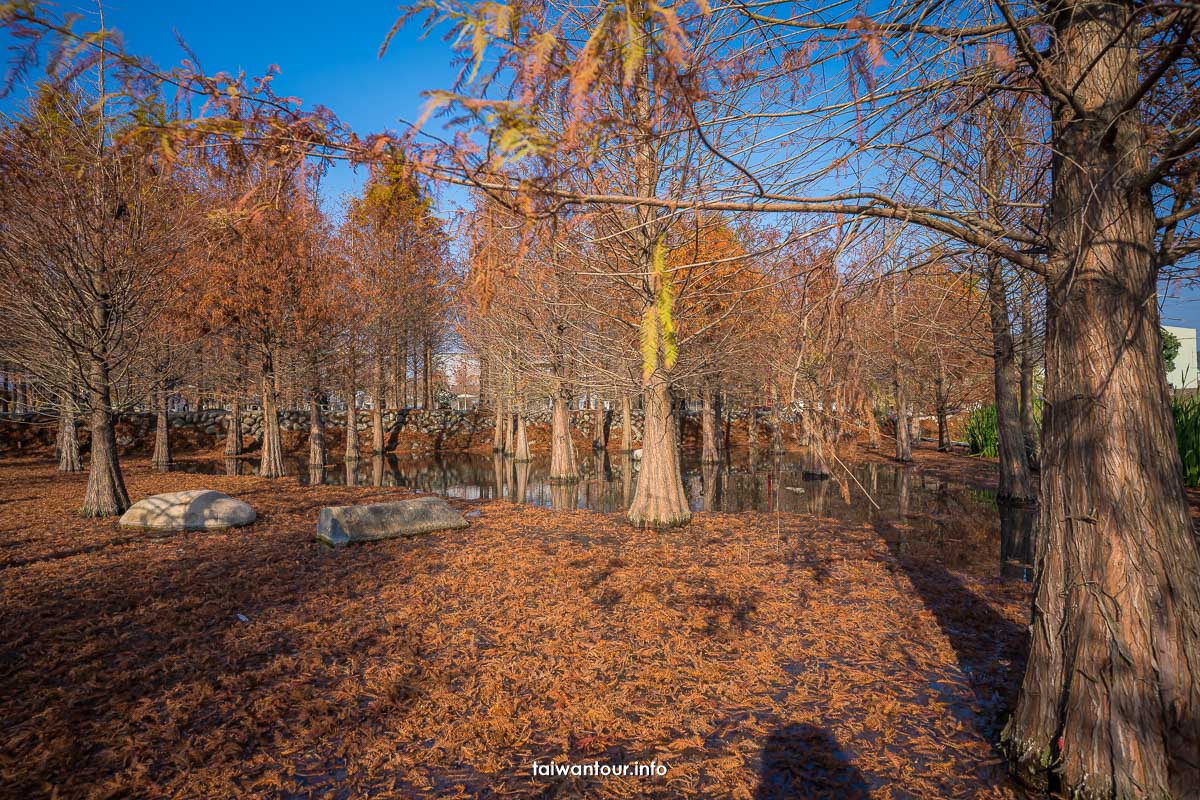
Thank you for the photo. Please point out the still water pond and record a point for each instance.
(918, 515)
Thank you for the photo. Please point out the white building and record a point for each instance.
(1185, 375)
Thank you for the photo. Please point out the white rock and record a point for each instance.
(193, 510)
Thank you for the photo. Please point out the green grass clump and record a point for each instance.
(982, 436)
(1187, 434)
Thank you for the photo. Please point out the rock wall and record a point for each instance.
(404, 429)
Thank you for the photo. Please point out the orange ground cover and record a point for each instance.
(756, 655)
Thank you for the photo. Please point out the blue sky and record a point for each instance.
(327, 54)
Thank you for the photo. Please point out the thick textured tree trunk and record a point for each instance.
(562, 449)
(233, 430)
(1016, 485)
(271, 461)
(352, 452)
(943, 431)
(316, 432)
(1028, 396)
(752, 429)
(626, 426)
(710, 423)
(1111, 694)
(68, 437)
(106, 495)
(521, 453)
(599, 435)
(659, 500)
(162, 432)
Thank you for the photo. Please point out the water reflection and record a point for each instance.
(915, 514)
(1017, 525)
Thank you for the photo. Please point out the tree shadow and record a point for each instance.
(991, 649)
(805, 761)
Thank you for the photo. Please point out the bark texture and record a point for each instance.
(903, 442)
(626, 426)
(710, 424)
(599, 426)
(162, 434)
(352, 452)
(498, 435)
(233, 430)
(659, 500)
(271, 462)
(316, 433)
(562, 449)
(68, 437)
(1016, 483)
(106, 495)
(521, 453)
(1110, 703)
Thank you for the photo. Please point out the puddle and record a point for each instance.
(917, 515)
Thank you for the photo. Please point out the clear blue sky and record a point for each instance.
(327, 54)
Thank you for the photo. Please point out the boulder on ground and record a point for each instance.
(193, 510)
(339, 525)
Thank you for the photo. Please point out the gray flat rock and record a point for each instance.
(340, 525)
(193, 510)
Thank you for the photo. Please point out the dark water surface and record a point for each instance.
(918, 515)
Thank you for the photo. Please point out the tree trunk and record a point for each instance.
(599, 437)
(562, 449)
(316, 431)
(1016, 485)
(776, 423)
(428, 369)
(752, 428)
(659, 500)
(626, 426)
(711, 476)
(1028, 396)
(710, 423)
(498, 437)
(521, 453)
(162, 432)
(1111, 694)
(903, 443)
(940, 401)
(68, 438)
(271, 462)
(377, 447)
(404, 372)
(352, 453)
(106, 495)
(509, 430)
(233, 430)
